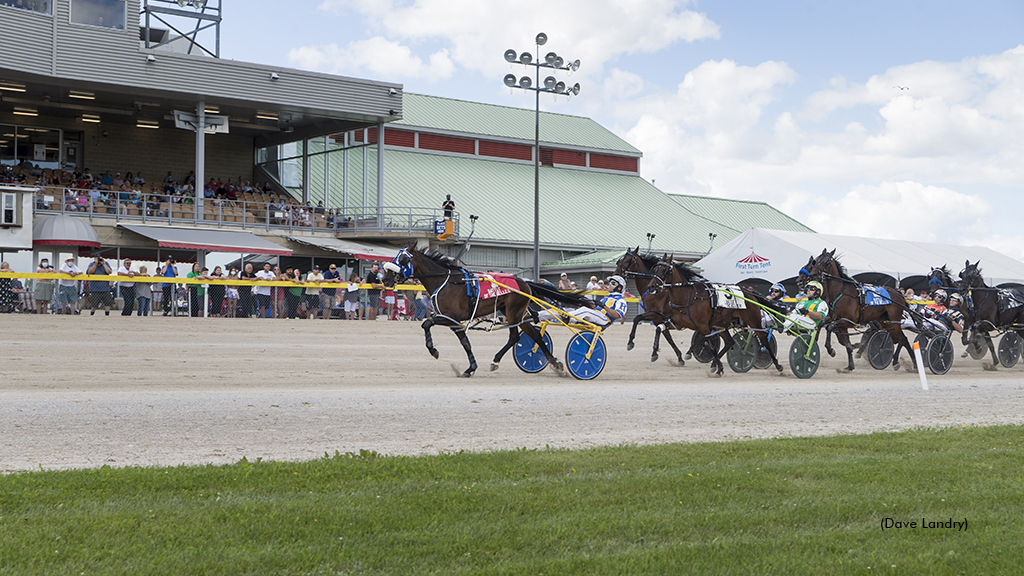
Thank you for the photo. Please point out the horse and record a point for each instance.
(680, 294)
(980, 307)
(941, 278)
(636, 265)
(454, 306)
(843, 296)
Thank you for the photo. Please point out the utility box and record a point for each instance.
(16, 217)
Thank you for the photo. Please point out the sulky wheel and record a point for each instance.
(705, 349)
(880, 349)
(804, 356)
(528, 355)
(922, 340)
(976, 347)
(743, 354)
(763, 359)
(1009, 349)
(939, 354)
(581, 367)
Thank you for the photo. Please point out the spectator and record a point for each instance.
(67, 290)
(216, 292)
(246, 301)
(24, 296)
(156, 291)
(421, 304)
(313, 292)
(328, 295)
(280, 291)
(168, 271)
(8, 299)
(99, 290)
(373, 278)
(231, 294)
(263, 291)
(143, 292)
(389, 303)
(448, 206)
(43, 289)
(127, 288)
(352, 297)
(593, 286)
(293, 296)
(563, 282)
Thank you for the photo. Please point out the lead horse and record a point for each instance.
(638, 266)
(982, 312)
(846, 310)
(456, 297)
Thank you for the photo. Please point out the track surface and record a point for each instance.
(83, 391)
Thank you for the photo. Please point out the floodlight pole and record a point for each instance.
(536, 177)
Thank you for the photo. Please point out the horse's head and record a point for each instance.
(940, 278)
(970, 276)
(663, 271)
(817, 267)
(630, 262)
(400, 268)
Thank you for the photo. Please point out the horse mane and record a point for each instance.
(441, 259)
(842, 270)
(687, 272)
(649, 260)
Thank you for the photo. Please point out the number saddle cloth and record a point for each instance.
(1009, 299)
(728, 296)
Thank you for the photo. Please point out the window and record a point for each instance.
(41, 6)
(103, 13)
(10, 215)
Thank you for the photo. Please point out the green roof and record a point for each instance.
(740, 215)
(504, 122)
(589, 259)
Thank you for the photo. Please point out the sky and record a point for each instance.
(893, 119)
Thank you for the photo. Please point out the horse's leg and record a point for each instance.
(828, 343)
(430, 341)
(657, 343)
(762, 338)
(679, 354)
(461, 333)
(532, 332)
(992, 349)
(513, 337)
(863, 344)
(843, 337)
(716, 365)
(632, 333)
(896, 332)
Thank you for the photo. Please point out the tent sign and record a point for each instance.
(753, 264)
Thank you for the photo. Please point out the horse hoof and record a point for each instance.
(466, 374)
(989, 367)
(494, 366)
(433, 352)
(911, 369)
(846, 370)
(714, 374)
(831, 352)
(688, 356)
(680, 362)
(654, 357)
(629, 346)
(895, 366)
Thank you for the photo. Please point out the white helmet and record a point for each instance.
(616, 284)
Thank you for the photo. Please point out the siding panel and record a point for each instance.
(505, 150)
(608, 162)
(26, 40)
(447, 143)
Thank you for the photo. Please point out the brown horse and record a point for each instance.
(455, 306)
(843, 296)
(981, 309)
(684, 297)
(638, 266)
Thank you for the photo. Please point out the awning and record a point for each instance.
(63, 230)
(357, 250)
(210, 240)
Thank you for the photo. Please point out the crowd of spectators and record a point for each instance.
(354, 298)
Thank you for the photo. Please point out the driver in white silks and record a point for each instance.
(933, 314)
(608, 309)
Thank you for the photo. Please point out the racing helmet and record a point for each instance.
(779, 287)
(955, 297)
(616, 284)
(815, 284)
(940, 293)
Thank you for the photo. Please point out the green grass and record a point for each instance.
(792, 506)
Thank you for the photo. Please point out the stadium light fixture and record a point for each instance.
(91, 118)
(12, 86)
(20, 111)
(153, 124)
(553, 86)
(81, 95)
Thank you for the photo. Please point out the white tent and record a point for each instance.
(777, 255)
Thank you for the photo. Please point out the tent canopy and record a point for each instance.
(62, 230)
(777, 255)
(210, 240)
(358, 250)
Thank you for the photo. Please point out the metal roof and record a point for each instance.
(579, 208)
(210, 240)
(740, 215)
(504, 122)
(357, 250)
(590, 259)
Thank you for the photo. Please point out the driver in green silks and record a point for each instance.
(811, 312)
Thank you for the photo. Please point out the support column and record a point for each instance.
(380, 174)
(305, 170)
(200, 159)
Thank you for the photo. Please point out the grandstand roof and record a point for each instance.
(740, 215)
(507, 123)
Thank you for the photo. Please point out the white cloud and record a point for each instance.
(376, 57)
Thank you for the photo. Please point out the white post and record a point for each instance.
(200, 158)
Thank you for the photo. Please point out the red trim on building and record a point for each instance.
(607, 162)
(399, 138)
(447, 143)
(569, 157)
(504, 150)
(51, 242)
(217, 248)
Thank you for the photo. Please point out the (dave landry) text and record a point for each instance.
(950, 524)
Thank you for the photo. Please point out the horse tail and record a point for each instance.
(556, 297)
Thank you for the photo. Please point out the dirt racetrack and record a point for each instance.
(87, 391)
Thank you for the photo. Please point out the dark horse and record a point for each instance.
(638, 266)
(941, 278)
(843, 296)
(687, 300)
(446, 282)
(981, 309)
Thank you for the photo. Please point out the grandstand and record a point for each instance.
(308, 170)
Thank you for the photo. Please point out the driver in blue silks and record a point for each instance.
(607, 310)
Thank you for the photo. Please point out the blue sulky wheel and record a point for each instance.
(576, 359)
(528, 356)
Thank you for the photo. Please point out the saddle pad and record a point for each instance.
(876, 296)
(729, 296)
(1010, 299)
(489, 289)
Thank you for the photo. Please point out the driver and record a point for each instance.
(607, 310)
(934, 314)
(811, 312)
